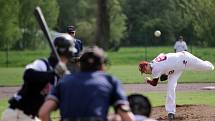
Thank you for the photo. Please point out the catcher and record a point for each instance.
(140, 107)
(169, 67)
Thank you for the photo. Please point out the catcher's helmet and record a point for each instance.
(140, 105)
(65, 45)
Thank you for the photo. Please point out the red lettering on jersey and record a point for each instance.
(160, 58)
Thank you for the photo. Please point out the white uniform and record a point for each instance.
(38, 65)
(180, 46)
(173, 65)
(16, 115)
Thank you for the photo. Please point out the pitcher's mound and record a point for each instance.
(186, 113)
(208, 88)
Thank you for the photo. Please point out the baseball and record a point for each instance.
(148, 78)
(157, 33)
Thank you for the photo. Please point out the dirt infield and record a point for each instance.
(187, 113)
(131, 88)
(141, 88)
(184, 112)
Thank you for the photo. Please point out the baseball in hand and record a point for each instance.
(147, 78)
(157, 33)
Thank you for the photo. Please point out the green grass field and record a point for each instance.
(125, 67)
(158, 99)
(21, 58)
(126, 73)
(124, 64)
(125, 56)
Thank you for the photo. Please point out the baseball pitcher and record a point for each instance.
(169, 67)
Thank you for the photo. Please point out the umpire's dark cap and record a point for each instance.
(92, 58)
(70, 29)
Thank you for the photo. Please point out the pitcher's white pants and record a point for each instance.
(171, 95)
(196, 64)
(192, 63)
(16, 115)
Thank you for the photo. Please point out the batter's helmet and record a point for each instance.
(65, 45)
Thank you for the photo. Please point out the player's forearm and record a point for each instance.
(45, 110)
(153, 81)
(45, 118)
(126, 116)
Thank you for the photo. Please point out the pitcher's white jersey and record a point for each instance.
(176, 62)
(167, 64)
(173, 65)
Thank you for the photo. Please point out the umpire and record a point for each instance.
(87, 95)
(73, 64)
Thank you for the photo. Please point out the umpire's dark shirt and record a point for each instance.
(87, 94)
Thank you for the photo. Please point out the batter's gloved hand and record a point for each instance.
(163, 77)
(61, 69)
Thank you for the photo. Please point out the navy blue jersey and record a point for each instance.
(88, 94)
(78, 46)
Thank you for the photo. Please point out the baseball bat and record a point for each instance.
(44, 27)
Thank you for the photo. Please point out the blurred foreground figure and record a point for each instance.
(140, 107)
(88, 94)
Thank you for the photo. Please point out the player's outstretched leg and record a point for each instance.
(197, 64)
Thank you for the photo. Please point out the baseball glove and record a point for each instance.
(163, 77)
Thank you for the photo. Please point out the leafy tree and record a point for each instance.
(110, 24)
(80, 13)
(31, 37)
(204, 22)
(144, 17)
(9, 27)
(117, 24)
(192, 19)
(103, 24)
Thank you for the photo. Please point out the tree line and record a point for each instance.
(109, 23)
